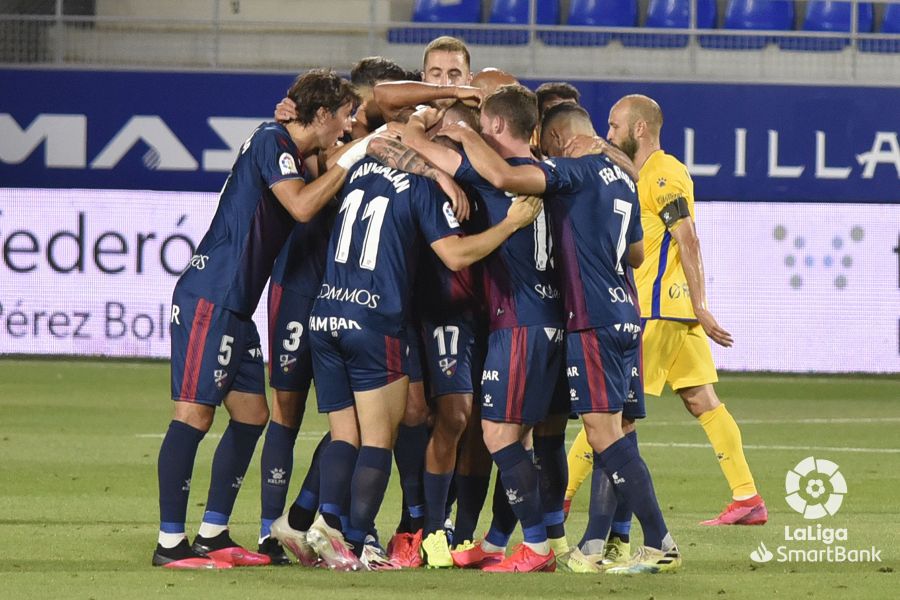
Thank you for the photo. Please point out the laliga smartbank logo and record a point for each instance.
(815, 489)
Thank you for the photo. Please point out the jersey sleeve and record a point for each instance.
(466, 173)
(561, 174)
(669, 197)
(433, 212)
(276, 157)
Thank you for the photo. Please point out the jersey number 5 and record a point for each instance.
(374, 212)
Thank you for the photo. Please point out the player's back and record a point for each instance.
(519, 277)
(234, 259)
(595, 217)
(374, 249)
(300, 265)
(661, 283)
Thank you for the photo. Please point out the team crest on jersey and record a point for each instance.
(287, 362)
(447, 366)
(661, 182)
(287, 164)
(220, 376)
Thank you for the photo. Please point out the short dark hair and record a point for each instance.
(319, 88)
(467, 114)
(446, 43)
(556, 89)
(373, 69)
(518, 105)
(563, 110)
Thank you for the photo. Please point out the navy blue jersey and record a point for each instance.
(595, 215)
(300, 265)
(519, 277)
(384, 216)
(234, 259)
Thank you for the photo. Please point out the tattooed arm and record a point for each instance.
(398, 155)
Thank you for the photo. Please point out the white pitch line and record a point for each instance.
(838, 421)
(793, 448)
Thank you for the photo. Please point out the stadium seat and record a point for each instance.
(890, 24)
(672, 14)
(439, 11)
(829, 16)
(766, 15)
(515, 12)
(594, 13)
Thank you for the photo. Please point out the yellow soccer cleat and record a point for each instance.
(616, 552)
(575, 561)
(435, 551)
(648, 560)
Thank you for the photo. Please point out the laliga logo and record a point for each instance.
(819, 475)
(761, 554)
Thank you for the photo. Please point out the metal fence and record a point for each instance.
(266, 36)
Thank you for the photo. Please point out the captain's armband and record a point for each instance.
(674, 211)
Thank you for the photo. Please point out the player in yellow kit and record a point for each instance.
(677, 322)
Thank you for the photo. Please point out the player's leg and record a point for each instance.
(550, 458)
(580, 463)
(473, 476)
(692, 376)
(380, 412)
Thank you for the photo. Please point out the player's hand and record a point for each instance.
(712, 328)
(456, 131)
(524, 210)
(285, 111)
(582, 145)
(458, 200)
(393, 129)
(469, 95)
(430, 116)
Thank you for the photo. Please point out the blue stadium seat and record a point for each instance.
(890, 24)
(439, 11)
(766, 15)
(673, 14)
(829, 15)
(595, 13)
(515, 12)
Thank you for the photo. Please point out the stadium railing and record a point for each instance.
(230, 35)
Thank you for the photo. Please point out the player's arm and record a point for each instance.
(393, 96)
(580, 145)
(398, 155)
(458, 252)
(636, 254)
(685, 235)
(304, 200)
(521, 179)
(413, 135)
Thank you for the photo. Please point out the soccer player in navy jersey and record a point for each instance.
(216, 355)
(295, 283)
(525, 345)
(596, 221)
(358, 331)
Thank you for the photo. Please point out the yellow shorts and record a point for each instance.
(676, 353)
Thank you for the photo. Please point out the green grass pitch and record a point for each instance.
(78, 512)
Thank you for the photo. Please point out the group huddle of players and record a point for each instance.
(457, 278)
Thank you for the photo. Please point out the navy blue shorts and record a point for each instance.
(603, 367)
(348, 358)
(415, 353)
(290, 359)
(521, 374)
(450, 355)
(214, 351)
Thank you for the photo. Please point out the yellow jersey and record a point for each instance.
(662, 287)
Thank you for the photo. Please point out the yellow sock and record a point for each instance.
(581, 463)
(725, 437)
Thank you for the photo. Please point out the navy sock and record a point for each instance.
(503, 519)
(632, 482)
(336, 469)
(174, 468)
(520, 482)
(370, 480)
(621, 525)
(303, 511)
(602, 504)
(409, 452)
(553, 470)
(437, 486)
(229, 466)
(471, 491)
(276, 466)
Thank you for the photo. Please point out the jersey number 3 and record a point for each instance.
(374, 212)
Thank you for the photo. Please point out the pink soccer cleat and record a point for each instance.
(524, 560)
(751, 511)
